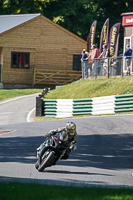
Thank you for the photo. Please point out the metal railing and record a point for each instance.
(107, 67)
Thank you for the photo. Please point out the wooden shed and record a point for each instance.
(34, 51)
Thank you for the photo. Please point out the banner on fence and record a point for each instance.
(91, 36)
(104, 35)
(113, 39)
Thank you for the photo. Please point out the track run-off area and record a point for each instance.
(104, 156)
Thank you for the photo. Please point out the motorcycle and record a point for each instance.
(52, 150)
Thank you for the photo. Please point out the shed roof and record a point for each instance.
(129, 13)
(10, 21)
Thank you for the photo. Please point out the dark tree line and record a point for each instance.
(74, 15)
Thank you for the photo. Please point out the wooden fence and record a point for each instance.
(55, 77)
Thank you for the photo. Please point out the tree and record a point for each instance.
(77, 16)
(74, 15)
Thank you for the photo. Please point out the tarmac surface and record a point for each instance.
(15, 110)
(104, 156)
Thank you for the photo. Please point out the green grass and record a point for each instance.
(90, 88)
(10, 93)
(34, 191)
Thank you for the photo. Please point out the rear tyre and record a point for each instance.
(46, 161)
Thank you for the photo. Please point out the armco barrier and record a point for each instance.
(124, 103)
(82, 107)
(103, 105)
(91, 106)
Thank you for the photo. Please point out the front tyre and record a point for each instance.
(46, 161)
(37, 165)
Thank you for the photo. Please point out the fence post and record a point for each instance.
(39, 106)
(0, 72)
(108, 67)
(82, 67)
(122, 67)
(95, 68)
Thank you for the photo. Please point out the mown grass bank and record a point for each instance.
(90, 88)
(10, 93)
(34, 191)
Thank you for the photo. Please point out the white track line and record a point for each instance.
(20, 97)
(29, 115)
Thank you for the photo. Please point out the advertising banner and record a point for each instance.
(114, 39)
(104, 35)
(91, 36)
(127, 20)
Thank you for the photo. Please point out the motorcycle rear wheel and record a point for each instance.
(46, 161)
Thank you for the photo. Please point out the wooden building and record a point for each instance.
(35, 51)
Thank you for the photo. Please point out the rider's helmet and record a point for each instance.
(71, 129)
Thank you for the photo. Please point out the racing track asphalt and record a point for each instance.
(15, 110)
(104, 156)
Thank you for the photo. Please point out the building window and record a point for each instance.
(77, 62)
(20, 60)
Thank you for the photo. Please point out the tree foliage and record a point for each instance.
(74, 15)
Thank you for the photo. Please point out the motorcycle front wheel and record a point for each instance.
(37, 165)
(46, 161)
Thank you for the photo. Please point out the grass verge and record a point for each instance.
(20, 191)
(43, 118)
(87, 88)
(10, 93)
(90, 88)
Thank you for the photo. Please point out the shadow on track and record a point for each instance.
(69, 172)
(65, 182)
(102, 151)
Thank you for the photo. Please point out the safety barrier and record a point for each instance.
(124, 103)
(91, 106)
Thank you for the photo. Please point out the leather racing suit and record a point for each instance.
(64, 137)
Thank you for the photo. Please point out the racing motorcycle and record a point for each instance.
(52, 150)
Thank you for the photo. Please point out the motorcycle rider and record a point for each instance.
(67, 134)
